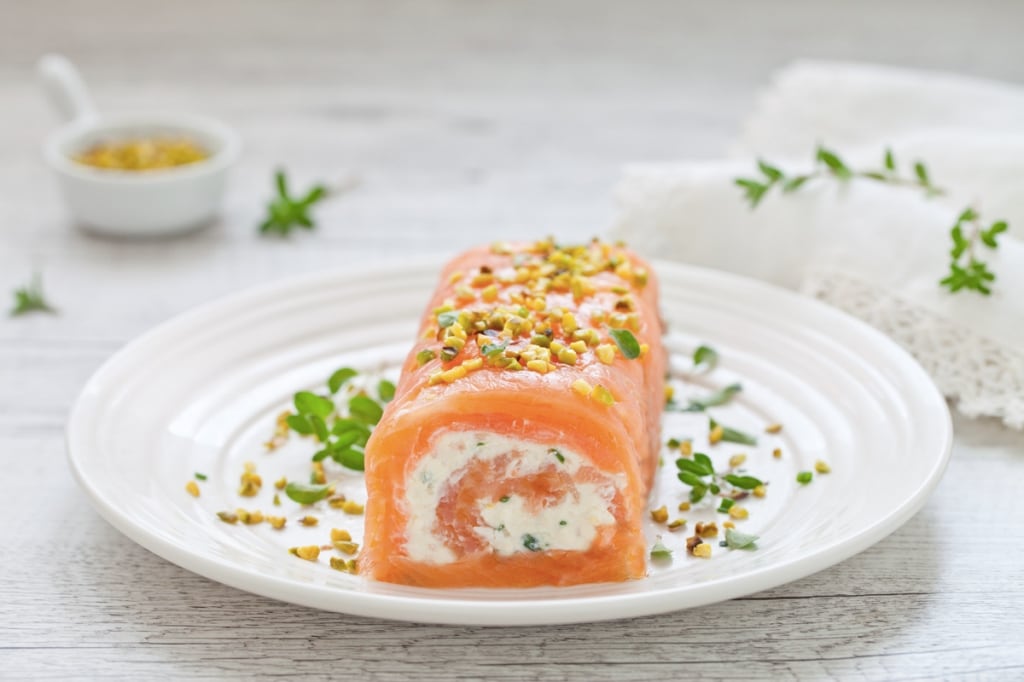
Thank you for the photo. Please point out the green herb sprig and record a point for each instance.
(286, 213)
(30, 298)
(699, 473)
(967, 271)
(342, 428)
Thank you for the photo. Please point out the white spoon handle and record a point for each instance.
(65, 88)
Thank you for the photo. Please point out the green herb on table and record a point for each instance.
(200, 477)
(699, 473)
(705, 358)
(967, 270)
(30, 298)
(286, 213)
(626, 342)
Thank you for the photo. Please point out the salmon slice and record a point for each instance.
(522, 442)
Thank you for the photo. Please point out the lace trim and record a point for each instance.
(985, 378)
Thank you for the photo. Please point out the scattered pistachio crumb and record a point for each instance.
(340, 535)
(773, 428)
(760, 491)
(706, 530)
(729, 524)
(703, 550)
(804, 477)
(309, 520)
(276, 522)
(716, 434)
(686, 447)
(738, 513)
(777, 453)
(677, 524)
(344, 565)
(352, 507)
(346, 547)
(192, 488)
(281, 483)
(277, 500)
(737, 461)
(684, 506)
(660, 515)
(337, 502)
(227, 517)
(307, 552)
(822, 467)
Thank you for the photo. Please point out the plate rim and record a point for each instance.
(525, 612)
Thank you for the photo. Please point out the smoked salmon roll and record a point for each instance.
(523, 438)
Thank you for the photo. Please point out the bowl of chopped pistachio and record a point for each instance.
(146, 174)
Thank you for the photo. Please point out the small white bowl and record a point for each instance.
(133, 203)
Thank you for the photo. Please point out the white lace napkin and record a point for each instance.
(873, 250)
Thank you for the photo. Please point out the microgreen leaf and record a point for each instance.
(340, 378)
(734, 539)
(705, 461)
(804, 477)
(742, 482)
(312, 404)
(300, 424)
(731, 435)
(306, 493)
(834, 164)
(719, 397)
(706, 357)
(890, 160)
(200, 477)
(771, 172)
(697, 493)
(695, 468)
(386, 390)
(350, 458)
(319, 428)
(366, 410)
(626, 342)
(30, 298)
(725, 504)
(659, 552)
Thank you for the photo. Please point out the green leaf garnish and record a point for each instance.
(626, 342)
(706, 357)
(386, 390)
(742, 482)
(340, 378)
(365, 409)
(286, 213)
(719, 397)
(659, 552)
(307, 404)
(531, 543)
(30, 298)
(300, 424)
(804, 477)
(731, 435)
(737, 540)
(306, 493)
(350, 458)
(725, 504)
(319, 428)
(694, 467)
(200, 477)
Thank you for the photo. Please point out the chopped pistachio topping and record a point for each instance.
(340, 535)
(660, 515)
(822, 467)
(192, 488)
(773, 428)
(307, 552)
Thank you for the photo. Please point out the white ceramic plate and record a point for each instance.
(201, 392)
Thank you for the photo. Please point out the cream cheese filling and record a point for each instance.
(511, 524)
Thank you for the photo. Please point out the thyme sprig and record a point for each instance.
(699, 473)
(30, 298)
(967, 271)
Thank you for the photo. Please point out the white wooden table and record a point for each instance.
(466, 122)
